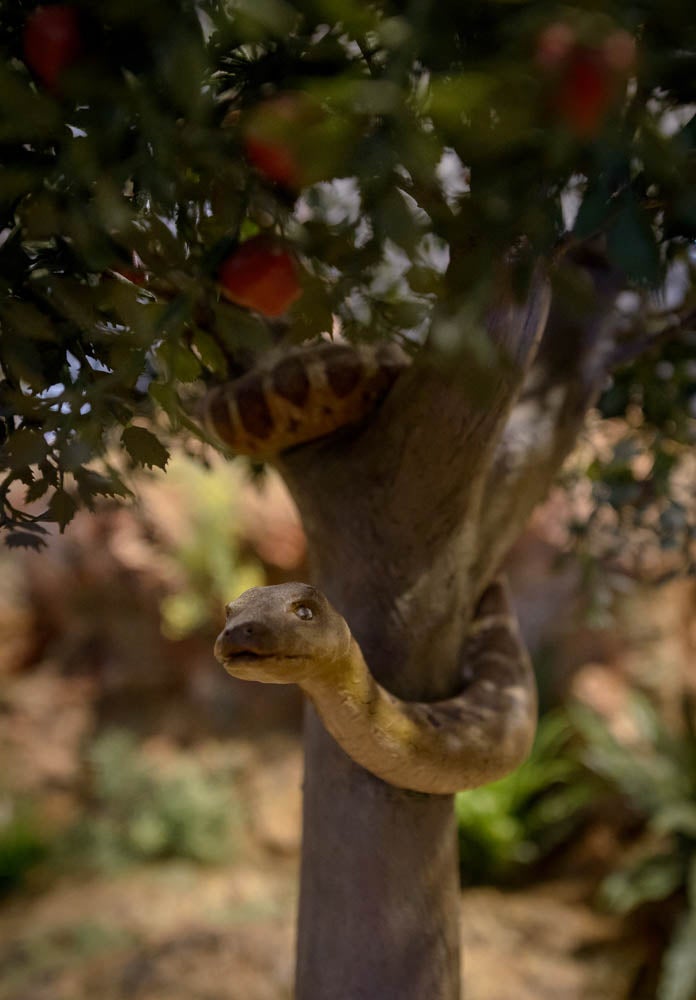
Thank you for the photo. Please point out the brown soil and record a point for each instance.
(82, 650)
(176, 931)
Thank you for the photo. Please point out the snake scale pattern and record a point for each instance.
(305, 394)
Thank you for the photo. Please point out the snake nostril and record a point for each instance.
(242, 635)
(240, 631)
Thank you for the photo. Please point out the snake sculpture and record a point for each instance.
(303, 395)
(290, 633)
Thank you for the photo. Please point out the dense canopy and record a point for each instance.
(388, 160)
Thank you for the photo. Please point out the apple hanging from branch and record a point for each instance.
(261, 274)
(52, 42)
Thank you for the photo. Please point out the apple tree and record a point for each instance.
(506, 189)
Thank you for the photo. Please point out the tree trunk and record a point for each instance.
(379, 891)
(391, 513)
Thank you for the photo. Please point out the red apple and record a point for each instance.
(134, 272)
(275, 135)
(554, 44)
(131, 274)
(273, 160)
(585, 80)
(586, 91)
(52, 41)
(262, 275)
(620, 54)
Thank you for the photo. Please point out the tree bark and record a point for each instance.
(567, 375)
(391, 512)
(379, 891)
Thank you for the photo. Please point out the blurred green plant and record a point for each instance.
(23, 843)
(45, 953)
(144, 810)
(510, 825)
(205, 551)
(656, 776)
(578, 767)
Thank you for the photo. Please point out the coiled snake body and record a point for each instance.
(291, 634)
(303, 395)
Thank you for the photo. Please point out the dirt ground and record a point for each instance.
(177, 931)
(82, 649)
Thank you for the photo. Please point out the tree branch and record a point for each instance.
(628, 350)
(436, 423)
(570, 370)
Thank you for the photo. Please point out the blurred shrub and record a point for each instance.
(655, 774)
(46, 952)
(22, 842)
(202, 528)
(509, 825)
(578, 769)
(144, 809)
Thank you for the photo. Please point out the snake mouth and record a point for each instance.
(243, 656)
(252, 656)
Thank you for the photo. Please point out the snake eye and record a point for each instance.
(304, 612)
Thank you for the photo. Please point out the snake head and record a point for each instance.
(284, 634)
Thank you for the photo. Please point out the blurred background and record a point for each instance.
(150, 804)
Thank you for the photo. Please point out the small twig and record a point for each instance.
(367, 55)
(628, 351)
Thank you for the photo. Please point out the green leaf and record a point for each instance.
(209, 350)
(62, 508)
(593, 212)
(75, 453)
(654, 878)
(25, 447)
(144, 448)
(452, 97)
(691, 881)
(676, 817)
(92, 484)
(27, 321)
(164, 394)
(24, 540)
(36, 490)
(678, 979)
(24, 362)
(25, 115)
(177, 361)
(260, 17)
(631, 245)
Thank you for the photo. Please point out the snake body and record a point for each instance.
(305, 394)
(290, 633)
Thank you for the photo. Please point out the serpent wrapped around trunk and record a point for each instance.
(291, 634)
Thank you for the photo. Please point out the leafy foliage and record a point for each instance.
(433, 142)
(656, 776)
(145, 811)
(22, 843)
(641, 467)
(578, 769)
(210, 569)
(507, 827)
